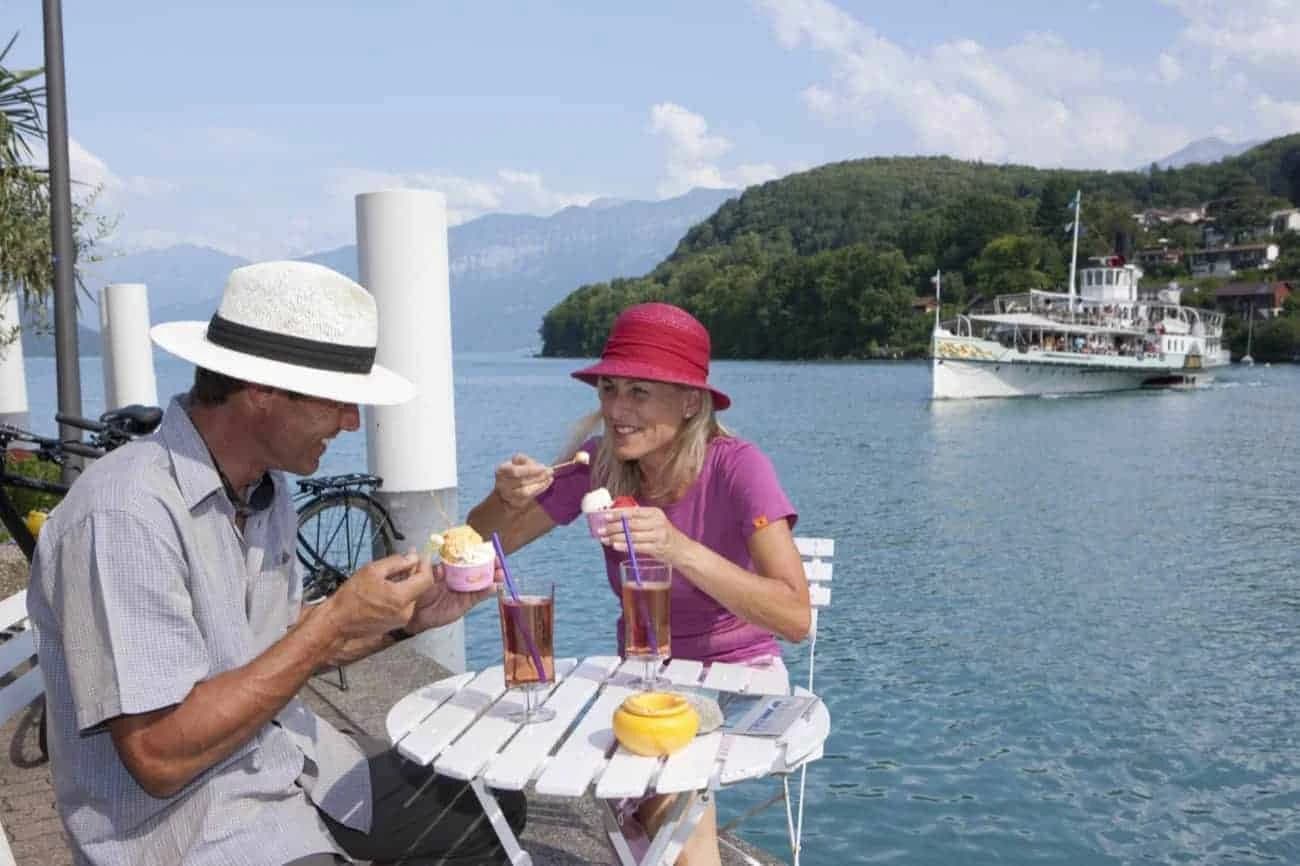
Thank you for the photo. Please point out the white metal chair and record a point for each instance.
(816, 554)
(18, 646)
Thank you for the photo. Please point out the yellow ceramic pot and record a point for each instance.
(35, 520)
(655, 723)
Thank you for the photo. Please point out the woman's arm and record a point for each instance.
(774, 596)
(511, 509)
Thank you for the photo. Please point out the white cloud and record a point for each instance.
(1254, 32)
(693, 154)
(1170, 69)
(1277, 117)
(1038, 100)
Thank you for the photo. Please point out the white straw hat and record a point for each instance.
(293, 325)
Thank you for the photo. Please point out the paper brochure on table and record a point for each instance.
(763, 715)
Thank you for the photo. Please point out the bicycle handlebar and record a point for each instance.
(80, 423)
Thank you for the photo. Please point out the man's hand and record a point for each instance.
(380, 597)
(440, 605)
(520, 479)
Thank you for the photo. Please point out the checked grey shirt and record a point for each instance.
(141, 588)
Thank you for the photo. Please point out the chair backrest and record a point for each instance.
(19, 646)
(817, 567)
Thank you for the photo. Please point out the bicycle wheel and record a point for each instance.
(337, 534)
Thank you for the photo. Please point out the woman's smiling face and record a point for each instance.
(642, 417)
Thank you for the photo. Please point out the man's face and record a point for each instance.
(301, 427)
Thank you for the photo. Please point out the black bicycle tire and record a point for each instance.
(312, 559)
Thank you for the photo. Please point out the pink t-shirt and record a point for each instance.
(736, 493)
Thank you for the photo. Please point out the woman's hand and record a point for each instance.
(520, 479)
(653, 535)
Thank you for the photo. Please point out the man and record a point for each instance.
(169, 621)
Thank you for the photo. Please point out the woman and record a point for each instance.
(709, 504)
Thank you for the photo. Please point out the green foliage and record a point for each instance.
(25, 241)
(31, 500)
(826, 263)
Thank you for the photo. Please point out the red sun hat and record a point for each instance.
(658, 342)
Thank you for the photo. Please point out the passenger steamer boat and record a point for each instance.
(1109, 336)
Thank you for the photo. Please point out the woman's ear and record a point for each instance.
(691, 406)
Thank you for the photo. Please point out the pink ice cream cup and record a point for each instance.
(596, 522)
(469, 578)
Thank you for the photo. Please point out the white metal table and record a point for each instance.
(460, 726)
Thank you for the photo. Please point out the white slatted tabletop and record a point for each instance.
(460, 725)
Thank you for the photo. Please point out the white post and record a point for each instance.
(13, 379)
(128, 353)
(402, 260)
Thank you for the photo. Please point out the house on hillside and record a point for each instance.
(1283, 221)
(1157, 216)
(1161, 255)
(1227, 261)
(926, 304)
(1263, 300)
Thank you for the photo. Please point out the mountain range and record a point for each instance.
(507, 270)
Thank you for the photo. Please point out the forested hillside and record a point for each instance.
(827, 263)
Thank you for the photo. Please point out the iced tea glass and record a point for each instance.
(528, 646)
(647, 624)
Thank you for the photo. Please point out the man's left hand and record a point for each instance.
(440, 605)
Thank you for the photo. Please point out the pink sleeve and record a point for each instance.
(756, 494)
(562, 501)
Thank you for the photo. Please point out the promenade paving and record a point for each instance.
(560, 832)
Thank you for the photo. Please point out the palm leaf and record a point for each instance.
(20, 109)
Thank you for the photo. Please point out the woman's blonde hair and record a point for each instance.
(685, 455)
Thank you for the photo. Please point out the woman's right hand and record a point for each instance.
(520, 479)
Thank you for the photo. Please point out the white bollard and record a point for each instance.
(128, 353)
(402, 260)
(13, 378)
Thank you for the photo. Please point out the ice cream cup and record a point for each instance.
(596, 522)
(469, 578)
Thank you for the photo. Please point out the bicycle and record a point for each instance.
(114, 428)
(340, 528)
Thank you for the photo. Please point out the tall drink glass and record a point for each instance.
(528, 646)
(647, 623)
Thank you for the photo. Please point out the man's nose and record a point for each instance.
(351, 417)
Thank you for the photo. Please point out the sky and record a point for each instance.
(250, 126)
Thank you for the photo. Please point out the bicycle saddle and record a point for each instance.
(135, 420)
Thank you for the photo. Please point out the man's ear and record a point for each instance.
(259, 396)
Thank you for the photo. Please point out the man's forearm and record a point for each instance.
(167, 749)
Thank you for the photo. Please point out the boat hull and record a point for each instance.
(970, 379)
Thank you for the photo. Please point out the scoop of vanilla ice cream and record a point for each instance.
(597, 500)
(460, 542)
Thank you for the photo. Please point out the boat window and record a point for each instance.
(1110, 278)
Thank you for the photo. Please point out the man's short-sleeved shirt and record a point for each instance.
(736, 494)
(142, 587)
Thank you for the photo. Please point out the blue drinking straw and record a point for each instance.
(514, 611)
(636, 575)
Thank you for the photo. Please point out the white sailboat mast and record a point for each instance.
(1074, 252)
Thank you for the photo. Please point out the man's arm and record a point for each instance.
(166, 749)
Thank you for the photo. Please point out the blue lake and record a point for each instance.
(1065, 631)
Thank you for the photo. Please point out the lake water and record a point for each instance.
(1065, 631)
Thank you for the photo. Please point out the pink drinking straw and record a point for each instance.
(636, 575)
(514, 611)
